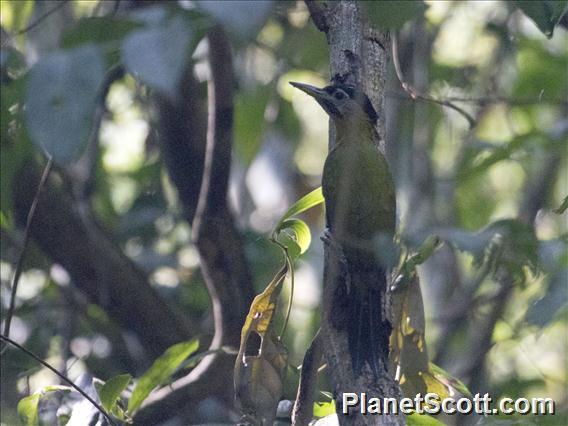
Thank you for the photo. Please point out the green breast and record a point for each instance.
(359, 193)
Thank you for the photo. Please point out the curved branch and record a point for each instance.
(183, 125)
(220, 249)
(214, 232)
(414, 94)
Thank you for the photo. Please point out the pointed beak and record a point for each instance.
(313, 91)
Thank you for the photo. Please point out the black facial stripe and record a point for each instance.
(329, 107)
(358, 97)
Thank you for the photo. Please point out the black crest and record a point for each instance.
(358, 96)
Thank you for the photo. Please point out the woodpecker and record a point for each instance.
(360, 206)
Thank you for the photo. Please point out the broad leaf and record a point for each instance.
(508, 243)
(97, 29)
(305, 203)
(28, 410)
(28, 406)
(261, 361)
(243, 17)
(160, 371)
(61, 98)
(323, 409)
(299, 231)
(158, 55)
(544, 13)
(112, 389)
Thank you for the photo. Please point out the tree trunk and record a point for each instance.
(359, 57)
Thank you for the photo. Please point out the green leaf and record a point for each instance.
(393, 14)
(416, 419)
(292, 247)
(562, 207)
(544, 13)
(300, 232)
(481, 156)
(158, 56)
(112, 389)
(61, 97)
(448, 380)
(305, 203)
(98, 30)
(243, 18)
(323, 409)
(160, 371)
(28, 410)
(28, 406)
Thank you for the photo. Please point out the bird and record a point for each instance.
(360, 206)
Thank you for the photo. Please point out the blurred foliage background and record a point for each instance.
(489, 58)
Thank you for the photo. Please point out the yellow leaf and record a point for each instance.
(261, 361)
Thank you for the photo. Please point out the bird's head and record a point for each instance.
(341, 102)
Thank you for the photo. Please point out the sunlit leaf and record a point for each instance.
(323, 409)
(448, 380)
(305, 203)
(544, 13)
(393, 14)
(28, 410)
(61, 96)
(299, 231)
(261, 361)
(112, 389)
(158, 55)
(160, 371)
(28, 406)
(409, 353)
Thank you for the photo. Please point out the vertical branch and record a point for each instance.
(221, 252)
(357, 57)
(217, 239)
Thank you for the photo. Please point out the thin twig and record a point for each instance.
(20, 261)
(61, 376)
(35, 23)
(414, 94)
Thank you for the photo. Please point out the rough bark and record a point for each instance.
(357, 57)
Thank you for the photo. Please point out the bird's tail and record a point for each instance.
(368, 332)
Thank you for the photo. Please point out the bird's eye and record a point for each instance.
(339, 95)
